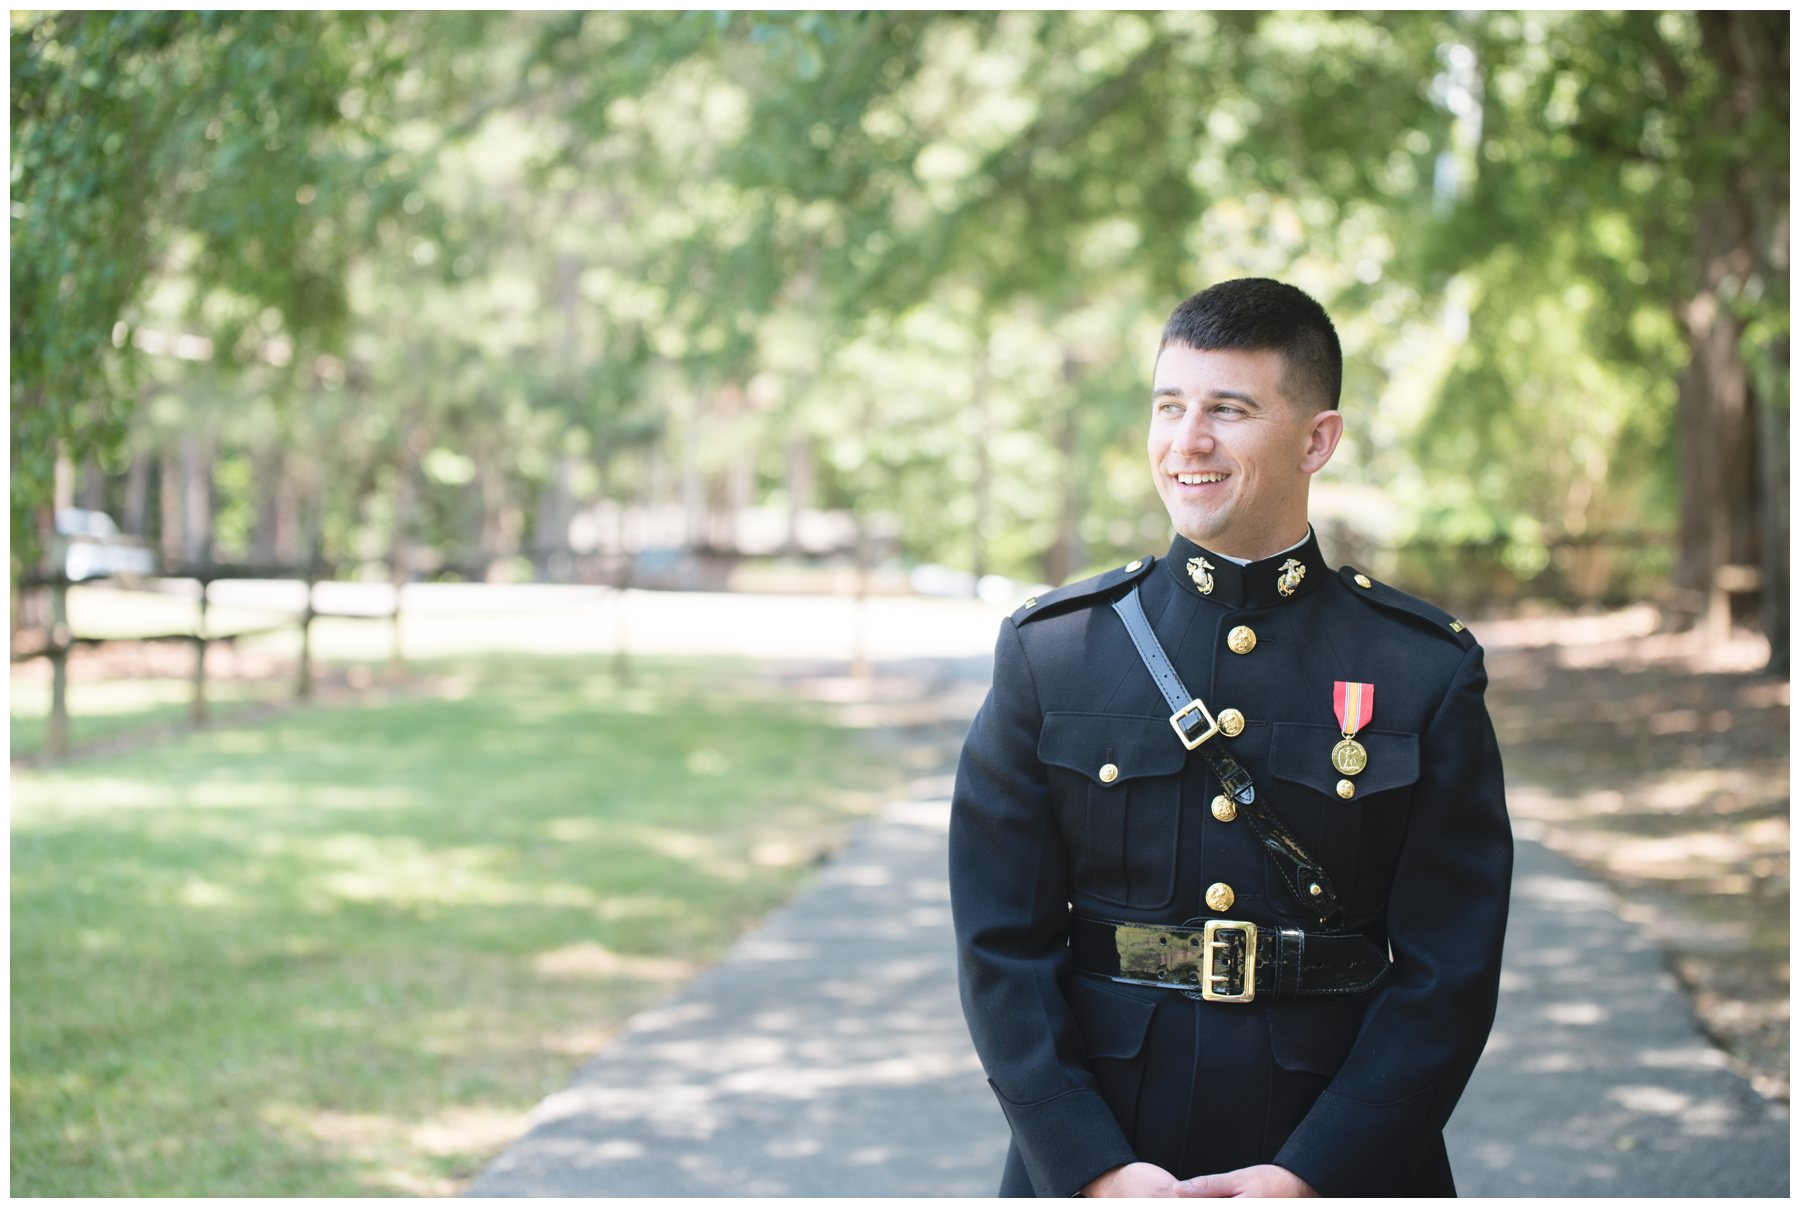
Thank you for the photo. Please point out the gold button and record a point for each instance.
(1314, 889)
(1242, 640)
(1031, 603)
(1109, 772)
(1219, 896)
(1363, 581)
(1456, 626)
(1346, 790)
(1135, 565)
(1231, 723)
(1224, 808)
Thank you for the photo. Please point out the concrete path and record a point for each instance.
(827, 1054)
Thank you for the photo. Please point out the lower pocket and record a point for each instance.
(1114, 1023)
(1315, 1037)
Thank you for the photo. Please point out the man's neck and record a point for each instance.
(1275, 554)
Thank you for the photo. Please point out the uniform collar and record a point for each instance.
(1257, 585)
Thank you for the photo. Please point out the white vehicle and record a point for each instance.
(93, 548)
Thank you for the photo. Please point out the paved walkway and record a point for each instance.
(827, 1055)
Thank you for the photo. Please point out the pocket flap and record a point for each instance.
(1315, 1036)
(1113, 1021)
(1300, 752)
(1134, 746)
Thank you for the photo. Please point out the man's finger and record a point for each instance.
(1206, 1186)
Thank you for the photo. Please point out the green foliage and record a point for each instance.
(666, 243)
(235, 149)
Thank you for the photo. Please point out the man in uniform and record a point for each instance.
(1229, 854)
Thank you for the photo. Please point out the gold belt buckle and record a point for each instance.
(1194, 706)
(1211, 942)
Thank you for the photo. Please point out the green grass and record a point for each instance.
(343, 951)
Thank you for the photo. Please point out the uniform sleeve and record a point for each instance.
(1427, 1025)
(1009, 898)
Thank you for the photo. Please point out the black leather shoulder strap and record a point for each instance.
(1304, 876)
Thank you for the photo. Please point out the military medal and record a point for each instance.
(1354, 704)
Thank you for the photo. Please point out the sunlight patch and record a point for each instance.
(588, 960)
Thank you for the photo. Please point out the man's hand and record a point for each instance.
(1263, 1182)
(1138, 1180)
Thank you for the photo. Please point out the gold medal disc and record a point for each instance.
(1349, 757)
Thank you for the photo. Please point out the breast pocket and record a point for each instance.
(1350, 835)
(1116, 782)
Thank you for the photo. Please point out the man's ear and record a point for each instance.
(1323, 432)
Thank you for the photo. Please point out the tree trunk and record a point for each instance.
(265, 527)
(1732, 419)
(406, 507)
(1067, 555)
(501, 519)
(693, 483)
(135, 514)
(169, 522)
(63, 484)
(1772, 477)
(984, 466)
(800, 479)
(1718, 504)
(197, 452)
(93, 486)
(556, 510)
(290, 543)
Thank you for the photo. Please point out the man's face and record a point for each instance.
(1232, 455)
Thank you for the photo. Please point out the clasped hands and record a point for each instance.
(1141, 1180)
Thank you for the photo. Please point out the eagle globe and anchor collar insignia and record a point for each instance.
(1268, 582)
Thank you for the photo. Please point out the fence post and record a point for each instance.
(198, 708)
(621, 633)
(303, 689)
(57, 739)
(397, 661)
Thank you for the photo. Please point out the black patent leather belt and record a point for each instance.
(1225, 960)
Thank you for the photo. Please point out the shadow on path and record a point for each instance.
(827, 1056)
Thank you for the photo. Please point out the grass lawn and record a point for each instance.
(343, 950)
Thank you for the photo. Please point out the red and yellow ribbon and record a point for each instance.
(1355, 704)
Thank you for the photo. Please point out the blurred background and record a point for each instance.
(812, 343)
(541, 297)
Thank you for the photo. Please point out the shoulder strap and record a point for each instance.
(1304, 877)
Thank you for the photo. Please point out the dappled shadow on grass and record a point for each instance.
(415, 912)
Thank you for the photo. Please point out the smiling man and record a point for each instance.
(1229, 854)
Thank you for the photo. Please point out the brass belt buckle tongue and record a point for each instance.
(1188, 710)
(1211, 976)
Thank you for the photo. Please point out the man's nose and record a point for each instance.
(1194, 435)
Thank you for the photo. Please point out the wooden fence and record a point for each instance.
(60, 641)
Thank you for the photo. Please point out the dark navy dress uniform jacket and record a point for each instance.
(1351, 1093)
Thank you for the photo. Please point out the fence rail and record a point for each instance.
(59, 641)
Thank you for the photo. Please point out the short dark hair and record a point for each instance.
(1257, 314)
